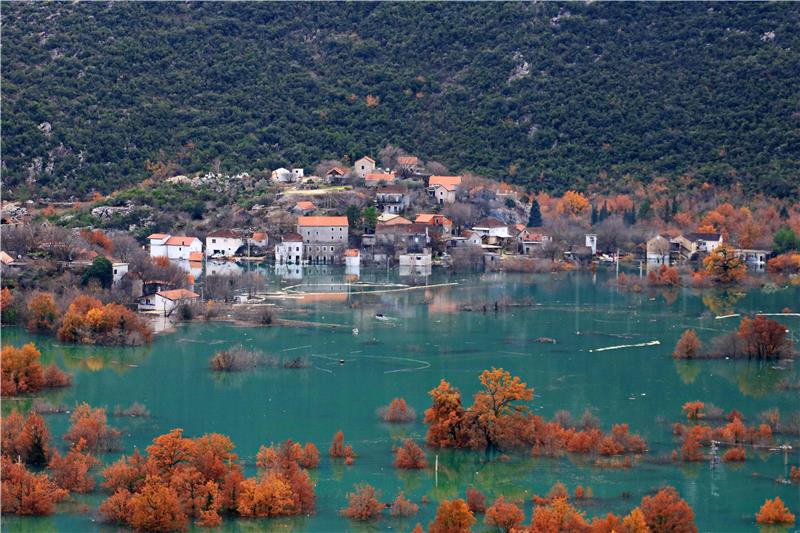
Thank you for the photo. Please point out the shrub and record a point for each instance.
(397, 411)
(235, 359)
(476, 501)
(410, 456)
(688, 346)
(403, 507)
(504, 515)
(774, 512)
(734, 455)
(364, 503)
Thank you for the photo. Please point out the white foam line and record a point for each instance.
(297, 348)
(777, 314)
(726, 316)
(324, 370)
(639, 345)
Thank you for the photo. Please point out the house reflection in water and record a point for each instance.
(289, 272)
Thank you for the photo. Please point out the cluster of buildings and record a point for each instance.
(665, 250)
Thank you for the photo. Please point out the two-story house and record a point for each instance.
(364, 166)
(324, 237)
(392, 199)
(223, 243)
(443, 188)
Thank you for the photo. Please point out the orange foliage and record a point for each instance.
(6, 299)
(21, 370)
(723, 266)
(583, 494)
(268, 496)
(26, 493)
(504, 515)
(573, 203)
(788, 263)
(310, 458)
(364, 503)
(634, 522)
(688, 346)
(402, 506)
(475, 500)
(794, 474)
(452, 516)
(88, 321)
(26, 440)
(664, 276)
(161, 261)
(694, 410)
(42, 312)
(127, 473)
(398, 411)
(372, 101)
(156, 508)
(90, 426)
(734, 455)
(774, 512)
(98, 238)
(445, 417)
(557, 517)
(410, 456)
(338, 448)
(667, 512)
(764, 338)
(71, 472)
(606, 524)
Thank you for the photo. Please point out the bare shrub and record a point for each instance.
(235, 359)
(135, 410)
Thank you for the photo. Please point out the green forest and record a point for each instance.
(553, 96)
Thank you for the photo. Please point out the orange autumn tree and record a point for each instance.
(180, 479)
(88, 321)
(452, 516)
(667, 512)
(764, 338)
(774, 512)
(265, 497)
(410, 456)
(284, 464)
(397, 412)
(475, 500)
(403, 507)
(26, 493)
(42, 313)
(25, 440)
(363, 503)
(694, 410)
(339, 449)
(495, 412)
(23, 373)
(573, 203)
(6, 299)
(504, 515)
(557, 517)
(445, 417)
(90, 427)
(73, 471)
(634, 522)
(664, 276)
(723, 266)
(688, 347)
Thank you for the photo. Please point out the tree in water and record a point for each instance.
(410, 456)
(688, 346)
(364, 503)
(667, 512)
(504, 515)
(723, 266)
(452, 516)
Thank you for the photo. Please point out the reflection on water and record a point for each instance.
(430, 330)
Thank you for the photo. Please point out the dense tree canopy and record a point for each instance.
(102, 95)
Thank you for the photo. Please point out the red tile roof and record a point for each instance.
(351, 252)
(452, 181)
(180, 241)
(196, 256)
(321, 221)
(178, 294)
(379, 176)
(158, 236)
(305, 205)
(408, 160)
(259, 236)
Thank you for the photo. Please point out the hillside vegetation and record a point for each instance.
(551, 96)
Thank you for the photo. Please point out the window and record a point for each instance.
(214, 240)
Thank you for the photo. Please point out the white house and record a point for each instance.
(260, 239)
(591, 242)
(492, 229)
(283, 175)
(179, 247)
(158, 244)
(704, 242)
(290, 250)
(364, 166)
(166, 301)
(352, 258)
(298, 173)
(223, 243)
(421, 260)
(658, 248)
(118, 269)
(443, 188)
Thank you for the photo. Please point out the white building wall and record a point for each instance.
(226, 246)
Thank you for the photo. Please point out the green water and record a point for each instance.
(428, 337)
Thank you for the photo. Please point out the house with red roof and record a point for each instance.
(375, 179)
(164, 302)
(438, 223)
(223, 243)
(324, 237)
(443, 188)
(364, 166)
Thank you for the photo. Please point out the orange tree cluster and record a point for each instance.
(22, 372)
(498, 420)
(88, 321)
(733, 433)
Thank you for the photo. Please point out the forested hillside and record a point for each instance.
(549, 95)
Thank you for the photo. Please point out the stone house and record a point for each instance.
(364, 166)
(324, 237)
(392, 199)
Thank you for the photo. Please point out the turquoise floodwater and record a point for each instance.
(429, 336)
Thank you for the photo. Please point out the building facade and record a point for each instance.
(324, 238)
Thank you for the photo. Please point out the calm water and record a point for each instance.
(430, 336)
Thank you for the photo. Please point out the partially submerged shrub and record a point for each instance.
(235, 359)
(397, 412)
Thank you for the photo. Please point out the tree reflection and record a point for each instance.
(722, 302)
(687, 370)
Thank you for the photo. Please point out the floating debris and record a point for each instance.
(639, 345)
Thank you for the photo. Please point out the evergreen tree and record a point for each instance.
(535, 216)
(594, 215)
(785, 240)
(101, 269)
(645, 210)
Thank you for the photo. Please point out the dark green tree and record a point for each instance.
(353, 216)
(370, 218)
(785, 240)
(645, 210)
(535, 215)
(101, 270)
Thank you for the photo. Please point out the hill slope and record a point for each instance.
(547, 95)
